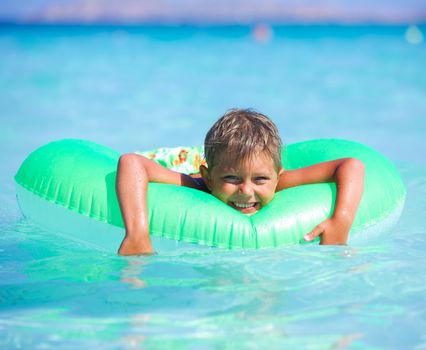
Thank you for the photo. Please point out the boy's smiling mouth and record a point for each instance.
(245, 208)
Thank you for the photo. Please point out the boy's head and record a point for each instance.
(243, 153)
(243, 133)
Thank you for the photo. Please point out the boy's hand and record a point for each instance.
(135, 246)
(333, 231)
(348, 173)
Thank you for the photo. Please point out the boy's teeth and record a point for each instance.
(241, 205)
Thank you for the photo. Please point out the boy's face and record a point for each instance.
(246, 186)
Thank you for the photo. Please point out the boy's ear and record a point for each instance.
(205, 175)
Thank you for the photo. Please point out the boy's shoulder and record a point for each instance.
(199, 182)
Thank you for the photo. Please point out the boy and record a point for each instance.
(244, 170)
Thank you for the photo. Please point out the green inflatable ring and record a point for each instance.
(62, 184)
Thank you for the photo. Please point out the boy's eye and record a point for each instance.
(261, 179)
(231, 178)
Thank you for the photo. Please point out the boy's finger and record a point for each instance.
(313, 234)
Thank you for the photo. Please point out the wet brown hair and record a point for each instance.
(243, 133)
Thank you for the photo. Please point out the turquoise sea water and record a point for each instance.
(135, 88)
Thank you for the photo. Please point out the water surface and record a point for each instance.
(134, 88)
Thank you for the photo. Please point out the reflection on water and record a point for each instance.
(131, 273)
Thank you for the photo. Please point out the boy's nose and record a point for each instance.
(246, 189)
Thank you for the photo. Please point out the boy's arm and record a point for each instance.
(133, 174)
(348, 173)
